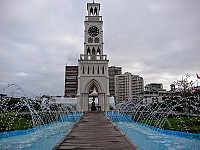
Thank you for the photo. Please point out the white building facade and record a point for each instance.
(128, 87)
(93, 64)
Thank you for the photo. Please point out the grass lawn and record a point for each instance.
(187, 124)
(14, 123)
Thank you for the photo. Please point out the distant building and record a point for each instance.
(154, 87)
(112, 71)
(151, 93)
(154, 92)
(71, 81)
(128, 87)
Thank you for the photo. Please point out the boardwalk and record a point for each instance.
(94, 131)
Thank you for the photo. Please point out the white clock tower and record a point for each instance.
(93, 79)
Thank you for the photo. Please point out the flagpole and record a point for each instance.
(197, 81)
(198, 89)
(197, 86)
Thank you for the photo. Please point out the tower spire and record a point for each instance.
(93, 1)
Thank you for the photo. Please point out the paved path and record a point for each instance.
(94, 131)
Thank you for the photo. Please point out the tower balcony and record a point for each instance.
(93, 18)
(93, 57)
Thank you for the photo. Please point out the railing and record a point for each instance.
(93, 57)
(93, 18)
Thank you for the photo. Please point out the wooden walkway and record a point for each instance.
(94, 131)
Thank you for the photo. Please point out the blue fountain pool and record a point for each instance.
(44, 138)
(146, 138)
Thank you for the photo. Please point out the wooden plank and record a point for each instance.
(95, 131)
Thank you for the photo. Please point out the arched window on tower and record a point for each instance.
(98, 70)
(93, 70)
(91, 10)
(95, 11)
(93, 54)
(103, 70)
(83, 70)
(88, 70)
(88, 51)
(98, 51)
(93, 51)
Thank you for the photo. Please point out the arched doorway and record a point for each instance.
(93, 99)
(101, 98)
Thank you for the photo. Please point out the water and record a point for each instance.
(182, 113)
(148, 139)
(42, 139)
(14, 102)
(143, 137)
(16, 105)
(43, 111)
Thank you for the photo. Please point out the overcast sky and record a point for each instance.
(156, 39)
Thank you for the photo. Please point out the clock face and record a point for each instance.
(93, 31)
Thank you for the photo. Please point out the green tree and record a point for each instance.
(196, 93)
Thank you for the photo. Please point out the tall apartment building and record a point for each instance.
(71, 81)
(112, 71)
(128, 87)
